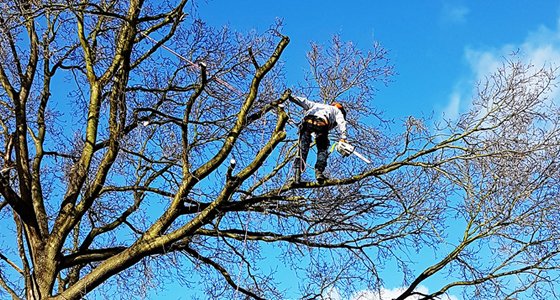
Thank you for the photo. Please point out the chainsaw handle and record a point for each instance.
(344, 148)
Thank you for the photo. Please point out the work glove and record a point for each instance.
(344, 148)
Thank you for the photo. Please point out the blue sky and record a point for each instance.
(440, 49)
(431, 43)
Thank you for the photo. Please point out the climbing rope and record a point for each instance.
(193, 65)
(248, 220)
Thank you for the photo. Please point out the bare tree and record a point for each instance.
(139, 144)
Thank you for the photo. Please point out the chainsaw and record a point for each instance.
(346, 149)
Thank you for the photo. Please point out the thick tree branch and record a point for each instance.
(89, 256)
(185, 154)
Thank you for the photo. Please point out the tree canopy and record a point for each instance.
(139, 144)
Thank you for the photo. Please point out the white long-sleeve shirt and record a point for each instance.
(331, 114)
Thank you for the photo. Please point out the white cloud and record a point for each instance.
(454, 13)
(383, 294)
(388, 294)
(452, 110)
(483, 63)
(541, 48)
(333, 294)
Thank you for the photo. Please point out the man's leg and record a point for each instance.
(322, 140)
(303, 150)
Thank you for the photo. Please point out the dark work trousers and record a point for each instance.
(322, 142)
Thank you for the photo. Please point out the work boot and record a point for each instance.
(293, 181)
(321, 178)
(296, 179)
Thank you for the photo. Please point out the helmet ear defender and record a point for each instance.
(339, 106)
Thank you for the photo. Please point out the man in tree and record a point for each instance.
(319, 119)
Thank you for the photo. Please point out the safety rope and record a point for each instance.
(193, 65)
(248, 220)
(244, 248)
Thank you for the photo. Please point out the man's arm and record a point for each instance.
(341, 125)
(301, 101)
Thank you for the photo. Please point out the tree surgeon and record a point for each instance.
(319, 119)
